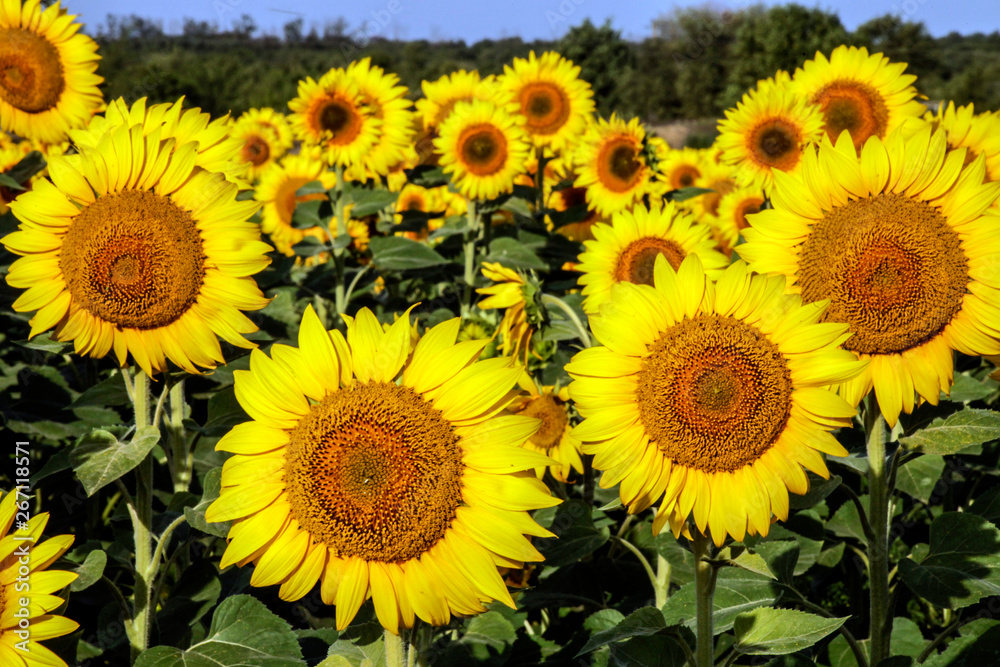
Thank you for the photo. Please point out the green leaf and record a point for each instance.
(651, 651)
(110, 391)
(640, 623)
(963, 565)
(907, 638)
(99, 458)
(576, 533)
(968, 388)
(781, 557)
(919, 476)
(309, 246)
(43, 343)
(819, 489)
(846, 522)
(8, 182)
(224, 412)
(790, 661)
(754, 562)
(196, 515)
(306, 215)
(681, 560)
(733, 596)
(89, 571)
(491, 629)
(398, 253)
(604, 619)
(959, 431)
(243, 633)
(310, 188)
(988, 505)
(769, 631)
(683, 194)
(370, 202)
(513, 254)
(976, 647)
(30, 164)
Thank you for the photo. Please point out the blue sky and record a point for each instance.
(531, 19)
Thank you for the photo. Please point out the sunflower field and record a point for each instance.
(474, 375)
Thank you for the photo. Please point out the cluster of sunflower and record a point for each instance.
(838, 239)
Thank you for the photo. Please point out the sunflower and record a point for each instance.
(721, 181)
(379, 473)
(386, 101)
(896, 239)
(15, 650)
(611, 165)
(441, 96)
(980, 133)
(734, 207)
(10, 156)
(508, 292)
(867, 95)
(555, 437)
(331, 113)
(681, 168)
(483, 148)
(626, 250)
(48, 80)
(131, 247)
(548, 93)
(276, 192)
(414, 198)
(266, 137)
(769, 129)
(574, 198)
(710, 398)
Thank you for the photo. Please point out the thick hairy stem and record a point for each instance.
(704, 581)
(878, 545)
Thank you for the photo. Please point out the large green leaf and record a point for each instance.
(733, 596)
(963, 565)
(513, 254)
(369, 202)
(641, 623)
(243, 634)
(978, 646)
(99, 458)
(398, 253)
(196, 515)
(919, 476)
(968, 388)
(89, 571)
(768, 631)
(959, 431)
(577, 535)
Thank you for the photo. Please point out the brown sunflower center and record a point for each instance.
(745, 208)
(618, 166)
(853, 106)
(552, 412)
(484, 149)
(31, 73)
(338, 120)
(545, 106)
(714, 393)
(892, 267)
(775, 143)
(256, 151)
(635, 263)
(133, 258)
(684, 176)
(374, 471)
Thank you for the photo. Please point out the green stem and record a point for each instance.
(539, 179)
(142, 522)
(340, 295)
(662, 585)
(471, 236)
(550, 300)
(395, 651)
(704, 581)
(878, 546)
(177, 436)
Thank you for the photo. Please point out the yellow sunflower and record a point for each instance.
(10, 156)
(555, 437)
(19, 635)
(734, 207)
(508, 292)
(131, 247)
(570, 198)
(277, 194)
(416, 198)
(867, 95)
(386, 101)
(548, 93)
(378, 473)
(48, 80)
(332, 114)
(626, 250)
(441, 96)
(681, 168)
(266, 137)
(720, 180)
(274, 121)
(769, 129)
(483, 148)
(610, 164)
(710, 398)
(979, 133)
(896, 239)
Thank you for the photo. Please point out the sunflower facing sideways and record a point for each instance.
(734, 207)
(627, 249)
(132, 248)
(266, 137)
(278, 194)
(483, 148)
(867, 95)
(610, 164)
(15, 650)
(555, 436)
(48, 80)
(980, 133)
(710, 398)
(381, 474)
(897, 240)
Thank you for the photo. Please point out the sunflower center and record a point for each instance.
(635, 263)
(617, 165)
(256, 151)
(552, 412)
(714, 393)
(338, 120)
(133, 258)
(374, 471)
(775, 143)
(853, 106)
(31, 74)
(745, 208)
(545, 107)
(684, 176)
(892, 267)
(484, 149)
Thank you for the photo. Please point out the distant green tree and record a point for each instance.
(603, 57)
(900, 41)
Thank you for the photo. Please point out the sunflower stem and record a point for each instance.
(662, 587)
(395, 650)
(340, 295)
(471, 236)
(878, 547)
(539, 179)
(177, 436)
(550, 300)
(704, 578)
(142, 521)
